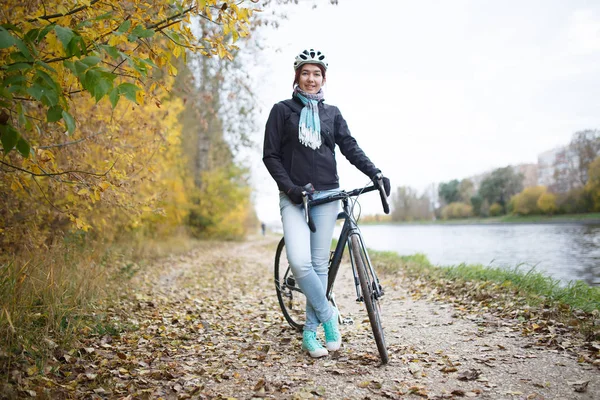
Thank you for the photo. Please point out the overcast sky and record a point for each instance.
(440, 90)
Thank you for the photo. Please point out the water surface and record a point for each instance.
(565, 251)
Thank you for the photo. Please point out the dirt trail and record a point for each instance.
(207, 325)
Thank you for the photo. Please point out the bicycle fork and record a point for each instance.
(376, 286)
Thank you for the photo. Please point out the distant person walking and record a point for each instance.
(299, 149)
(263, 228)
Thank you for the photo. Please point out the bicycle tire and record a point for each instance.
(291, 299)
(371, 303)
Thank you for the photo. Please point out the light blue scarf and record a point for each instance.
(309, 127)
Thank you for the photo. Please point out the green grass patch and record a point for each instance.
(538, 286)
(47, 297)
(535, 286)
(551, 218)
(509, 219)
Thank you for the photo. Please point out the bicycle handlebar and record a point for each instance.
(308, 203)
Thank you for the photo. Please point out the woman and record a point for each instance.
(299, 149)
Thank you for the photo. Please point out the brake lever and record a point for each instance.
(382, 194)
(309, 221)
(305, 204)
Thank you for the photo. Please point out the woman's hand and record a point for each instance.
(386, 183)
(295, 194)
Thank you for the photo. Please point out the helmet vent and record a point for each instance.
(310, 56)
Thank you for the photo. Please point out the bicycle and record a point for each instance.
(368, 288)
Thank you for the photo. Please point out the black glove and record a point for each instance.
(295, 194)
(386, 183)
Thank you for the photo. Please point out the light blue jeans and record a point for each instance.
(308, 252)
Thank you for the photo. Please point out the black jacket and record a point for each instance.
(291, 163)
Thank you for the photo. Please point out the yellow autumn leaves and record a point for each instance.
(77, 155)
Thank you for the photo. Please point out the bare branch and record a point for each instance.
(69, 143)
(172, 17)
(23, 99)
(46, 197)
(50, 174)
(58, 15)
(177, 43)
(156, 25)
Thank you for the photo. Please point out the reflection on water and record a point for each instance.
(563, 251)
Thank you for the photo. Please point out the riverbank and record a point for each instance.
(206, 324)
(588, 219)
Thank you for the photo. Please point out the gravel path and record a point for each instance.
(208, 325)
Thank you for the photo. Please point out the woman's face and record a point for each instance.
(311, 78)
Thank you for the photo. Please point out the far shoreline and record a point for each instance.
(572, 219)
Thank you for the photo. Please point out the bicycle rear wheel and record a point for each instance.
(291, 299)
(367, 285)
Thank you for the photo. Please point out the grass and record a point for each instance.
(538, 286)
(551, 218)
(510, 291)
(48, 295)
(535, 285)
(528, 219)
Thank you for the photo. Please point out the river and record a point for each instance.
(564, 251)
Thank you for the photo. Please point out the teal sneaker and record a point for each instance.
(312, 345)
(333, 337)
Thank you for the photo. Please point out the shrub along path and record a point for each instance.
(207, 325)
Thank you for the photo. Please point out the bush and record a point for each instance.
(592, 187)
(222, 205)
(477, 203)
(525, 203)
(574, 202)
(457, 210)
(496, 210)
(547, 203)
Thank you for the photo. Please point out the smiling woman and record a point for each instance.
(310, 78)
(299, 151)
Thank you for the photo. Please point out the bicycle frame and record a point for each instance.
(349, 229)
(368, 288)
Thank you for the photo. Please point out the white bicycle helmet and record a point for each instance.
(310, 56)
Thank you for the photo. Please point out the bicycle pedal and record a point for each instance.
(347, 321)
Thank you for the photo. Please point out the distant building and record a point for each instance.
(556, 168)
(529, 172)
(477, 179)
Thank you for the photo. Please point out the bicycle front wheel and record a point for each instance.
(367, 285)
(291, 299)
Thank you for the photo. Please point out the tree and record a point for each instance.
(500, 185)
(526, 202)
(407, 206)
(457, 210)
(402, 200)
(219, 194)
(449, 191)
(585, 145)
(108, 49)
(592, 186)
(547, 203)
(466, 190)
(74, 153)
(496, 209)
(577, 200)
(477, 203)
(64, 68)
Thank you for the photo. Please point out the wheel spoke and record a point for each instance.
(372, 305)
(290, 297)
